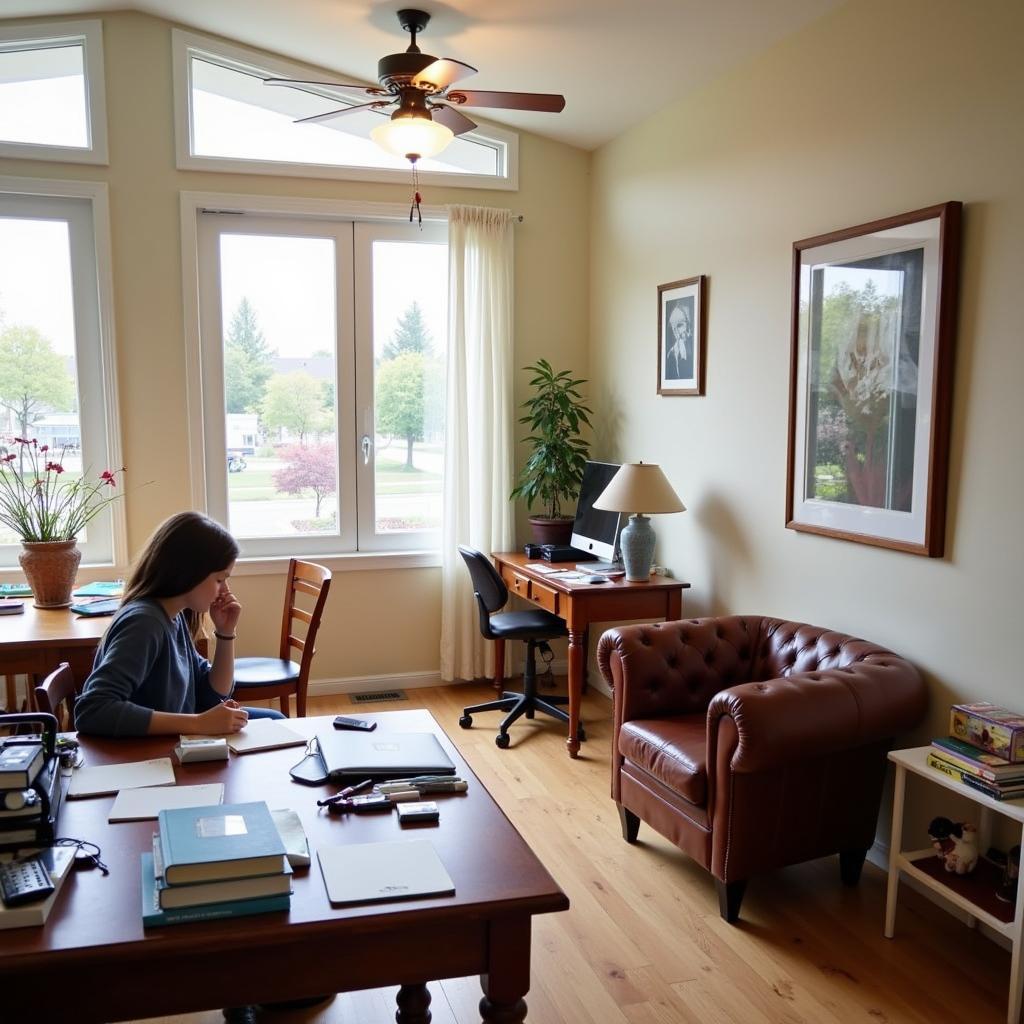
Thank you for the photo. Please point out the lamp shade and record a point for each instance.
(414, 137)
(639, 487)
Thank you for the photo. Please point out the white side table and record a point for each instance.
(973, 893)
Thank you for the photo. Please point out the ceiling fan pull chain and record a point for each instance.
(416, 197)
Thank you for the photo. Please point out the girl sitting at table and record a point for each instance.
(148, 677)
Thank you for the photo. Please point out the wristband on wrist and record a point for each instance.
(225, 636)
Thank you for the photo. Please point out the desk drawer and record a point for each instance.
(544, 596)
(516, 583)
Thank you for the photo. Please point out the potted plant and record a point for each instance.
(48, 514)
(552, 474)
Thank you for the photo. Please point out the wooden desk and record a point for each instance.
(37, 641)
(580, 603)
(95, 950)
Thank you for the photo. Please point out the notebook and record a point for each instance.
(263, 734)
(143, 804)
(386, 755)
(370, 872)
(103, 779)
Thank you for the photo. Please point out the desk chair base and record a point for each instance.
(518, 705)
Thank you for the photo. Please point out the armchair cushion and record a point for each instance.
(672, 750)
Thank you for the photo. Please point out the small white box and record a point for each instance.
(201, 748)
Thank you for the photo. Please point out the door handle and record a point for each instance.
(367, 447)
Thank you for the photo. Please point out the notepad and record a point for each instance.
(146, 803)
(372, 872)
(104, 779)
(264, 734)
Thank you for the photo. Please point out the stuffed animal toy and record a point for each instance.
(956, 844)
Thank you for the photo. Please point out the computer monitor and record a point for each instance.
(596, 531)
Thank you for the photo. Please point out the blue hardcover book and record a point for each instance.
(207, 844)
(154, 917)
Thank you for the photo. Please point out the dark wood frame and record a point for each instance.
(940, 400)
(699, 284)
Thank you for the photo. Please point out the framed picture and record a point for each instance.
(681, 331)
(871, 377)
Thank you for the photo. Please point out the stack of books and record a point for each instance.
(224, 860)
(985, 750)
(30, 793)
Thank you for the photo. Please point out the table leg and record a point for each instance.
(895, 846)
(413, 1005)
(1016, 960)
(508, 972)
(577, 656)
(499, 666)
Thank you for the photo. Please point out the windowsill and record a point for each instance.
(356, 561)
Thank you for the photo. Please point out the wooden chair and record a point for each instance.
(56, 696)
(265, 678)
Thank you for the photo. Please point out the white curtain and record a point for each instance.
(478, 469)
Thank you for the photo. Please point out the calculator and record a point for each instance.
(24, 881)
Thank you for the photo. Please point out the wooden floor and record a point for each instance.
(643, 942)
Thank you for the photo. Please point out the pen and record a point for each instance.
(407, 781)
(345, 793)
(434, 786)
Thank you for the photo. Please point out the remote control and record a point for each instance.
(341, 722)
(24, 881)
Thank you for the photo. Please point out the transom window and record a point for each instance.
(51, 92)
(227, 119)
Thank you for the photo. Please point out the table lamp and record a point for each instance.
(638, 488)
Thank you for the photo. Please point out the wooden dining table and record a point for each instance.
(35, 642)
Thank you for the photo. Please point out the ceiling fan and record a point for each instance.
(425, 120)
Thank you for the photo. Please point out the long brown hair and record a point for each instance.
(182, 552)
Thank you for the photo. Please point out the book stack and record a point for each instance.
(985, 750)
(224, 860)
(30, 793)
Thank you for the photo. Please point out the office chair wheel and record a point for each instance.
(466, 721)
(502, 741)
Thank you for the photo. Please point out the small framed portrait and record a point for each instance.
(681, 337)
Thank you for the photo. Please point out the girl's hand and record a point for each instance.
(225, 611)
(228, 716)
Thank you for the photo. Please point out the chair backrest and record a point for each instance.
(303, 578)
(489, 587)
(56, 696)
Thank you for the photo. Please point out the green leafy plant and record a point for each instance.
(555, 413)
(37, 505)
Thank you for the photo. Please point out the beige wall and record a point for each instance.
(878, 109)
(367, 611)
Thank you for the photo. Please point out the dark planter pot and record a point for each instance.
(551, 531)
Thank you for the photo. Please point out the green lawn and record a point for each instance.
(256, 483)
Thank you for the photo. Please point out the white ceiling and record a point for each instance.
(615, 61)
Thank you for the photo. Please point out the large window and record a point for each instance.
(51, 92)
(322, 347)
(56, 356)
(227, 119)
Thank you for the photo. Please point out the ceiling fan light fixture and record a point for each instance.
(412, 136)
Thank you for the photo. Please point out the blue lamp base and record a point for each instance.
(637, 544)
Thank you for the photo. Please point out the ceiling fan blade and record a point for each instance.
(543, 101)
(340, 112)
(371, 90)
(442, 73)
(450, 118)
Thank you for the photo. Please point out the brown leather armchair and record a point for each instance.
(753, 743)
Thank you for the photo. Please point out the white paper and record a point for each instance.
(143, 804)
(101, 780)
(293, 835)
(368, 872)
(264, 734)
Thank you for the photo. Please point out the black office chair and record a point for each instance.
(534, 626)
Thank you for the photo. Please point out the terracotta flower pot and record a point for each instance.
(50, 568)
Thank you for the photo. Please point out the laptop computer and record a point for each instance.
(383, 755)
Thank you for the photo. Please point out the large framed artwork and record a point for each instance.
(681, 337)
(871, 378)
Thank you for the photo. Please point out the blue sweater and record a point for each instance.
(144, 663)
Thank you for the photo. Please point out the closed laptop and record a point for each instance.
(383, 755)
